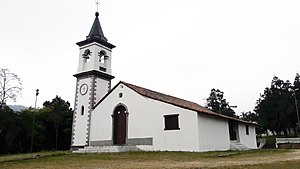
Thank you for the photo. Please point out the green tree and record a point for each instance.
(51, 130)
(275, 107)
(13, 131)
(216, 103)
(296, 96)
(7, 119)
(60, 118)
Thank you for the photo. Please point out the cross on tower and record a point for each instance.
(97, 4)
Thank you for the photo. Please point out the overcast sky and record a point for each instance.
(179, 47)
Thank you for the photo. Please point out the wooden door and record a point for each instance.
(120, 125)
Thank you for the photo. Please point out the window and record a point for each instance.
(247, 130)
(82, 110)
(171, 122)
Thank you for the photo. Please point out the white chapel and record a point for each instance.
(127, 117)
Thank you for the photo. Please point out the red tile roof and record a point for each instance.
(173, 101)
(179, 102)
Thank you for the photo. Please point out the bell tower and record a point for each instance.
(93, 81)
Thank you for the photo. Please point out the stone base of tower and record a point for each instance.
(106, 149)
(74, 148)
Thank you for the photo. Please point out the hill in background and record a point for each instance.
(17, 107)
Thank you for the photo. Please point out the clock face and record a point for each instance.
(83, 89)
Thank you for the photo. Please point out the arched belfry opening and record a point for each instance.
(86, 55)
(102, 56)
(120, 115)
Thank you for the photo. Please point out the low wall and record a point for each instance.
(288, 143)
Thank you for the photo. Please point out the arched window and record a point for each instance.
(82, 110)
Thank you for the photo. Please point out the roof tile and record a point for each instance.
(179, 102)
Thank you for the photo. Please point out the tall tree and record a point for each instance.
(60, 115)
(52, 128)
(296, 89)
(275, 108)
(297, 81)
(216, 102)
(13, 131)
(10, 86)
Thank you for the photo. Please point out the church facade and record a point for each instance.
(128, 115)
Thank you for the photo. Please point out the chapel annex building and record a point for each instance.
(128, 117)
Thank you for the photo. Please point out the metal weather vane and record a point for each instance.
(97, 4)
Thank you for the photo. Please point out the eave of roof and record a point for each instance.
(94, 72)
(98, 40)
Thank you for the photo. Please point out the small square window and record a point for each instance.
(247, 130)
(171, 122)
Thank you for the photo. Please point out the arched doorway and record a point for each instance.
(120, 125)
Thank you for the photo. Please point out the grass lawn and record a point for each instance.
(231, 159)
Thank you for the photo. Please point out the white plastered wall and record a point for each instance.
(81, 121)
(146, 120)
(102, 88)
(247, 140)
(213, 133)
